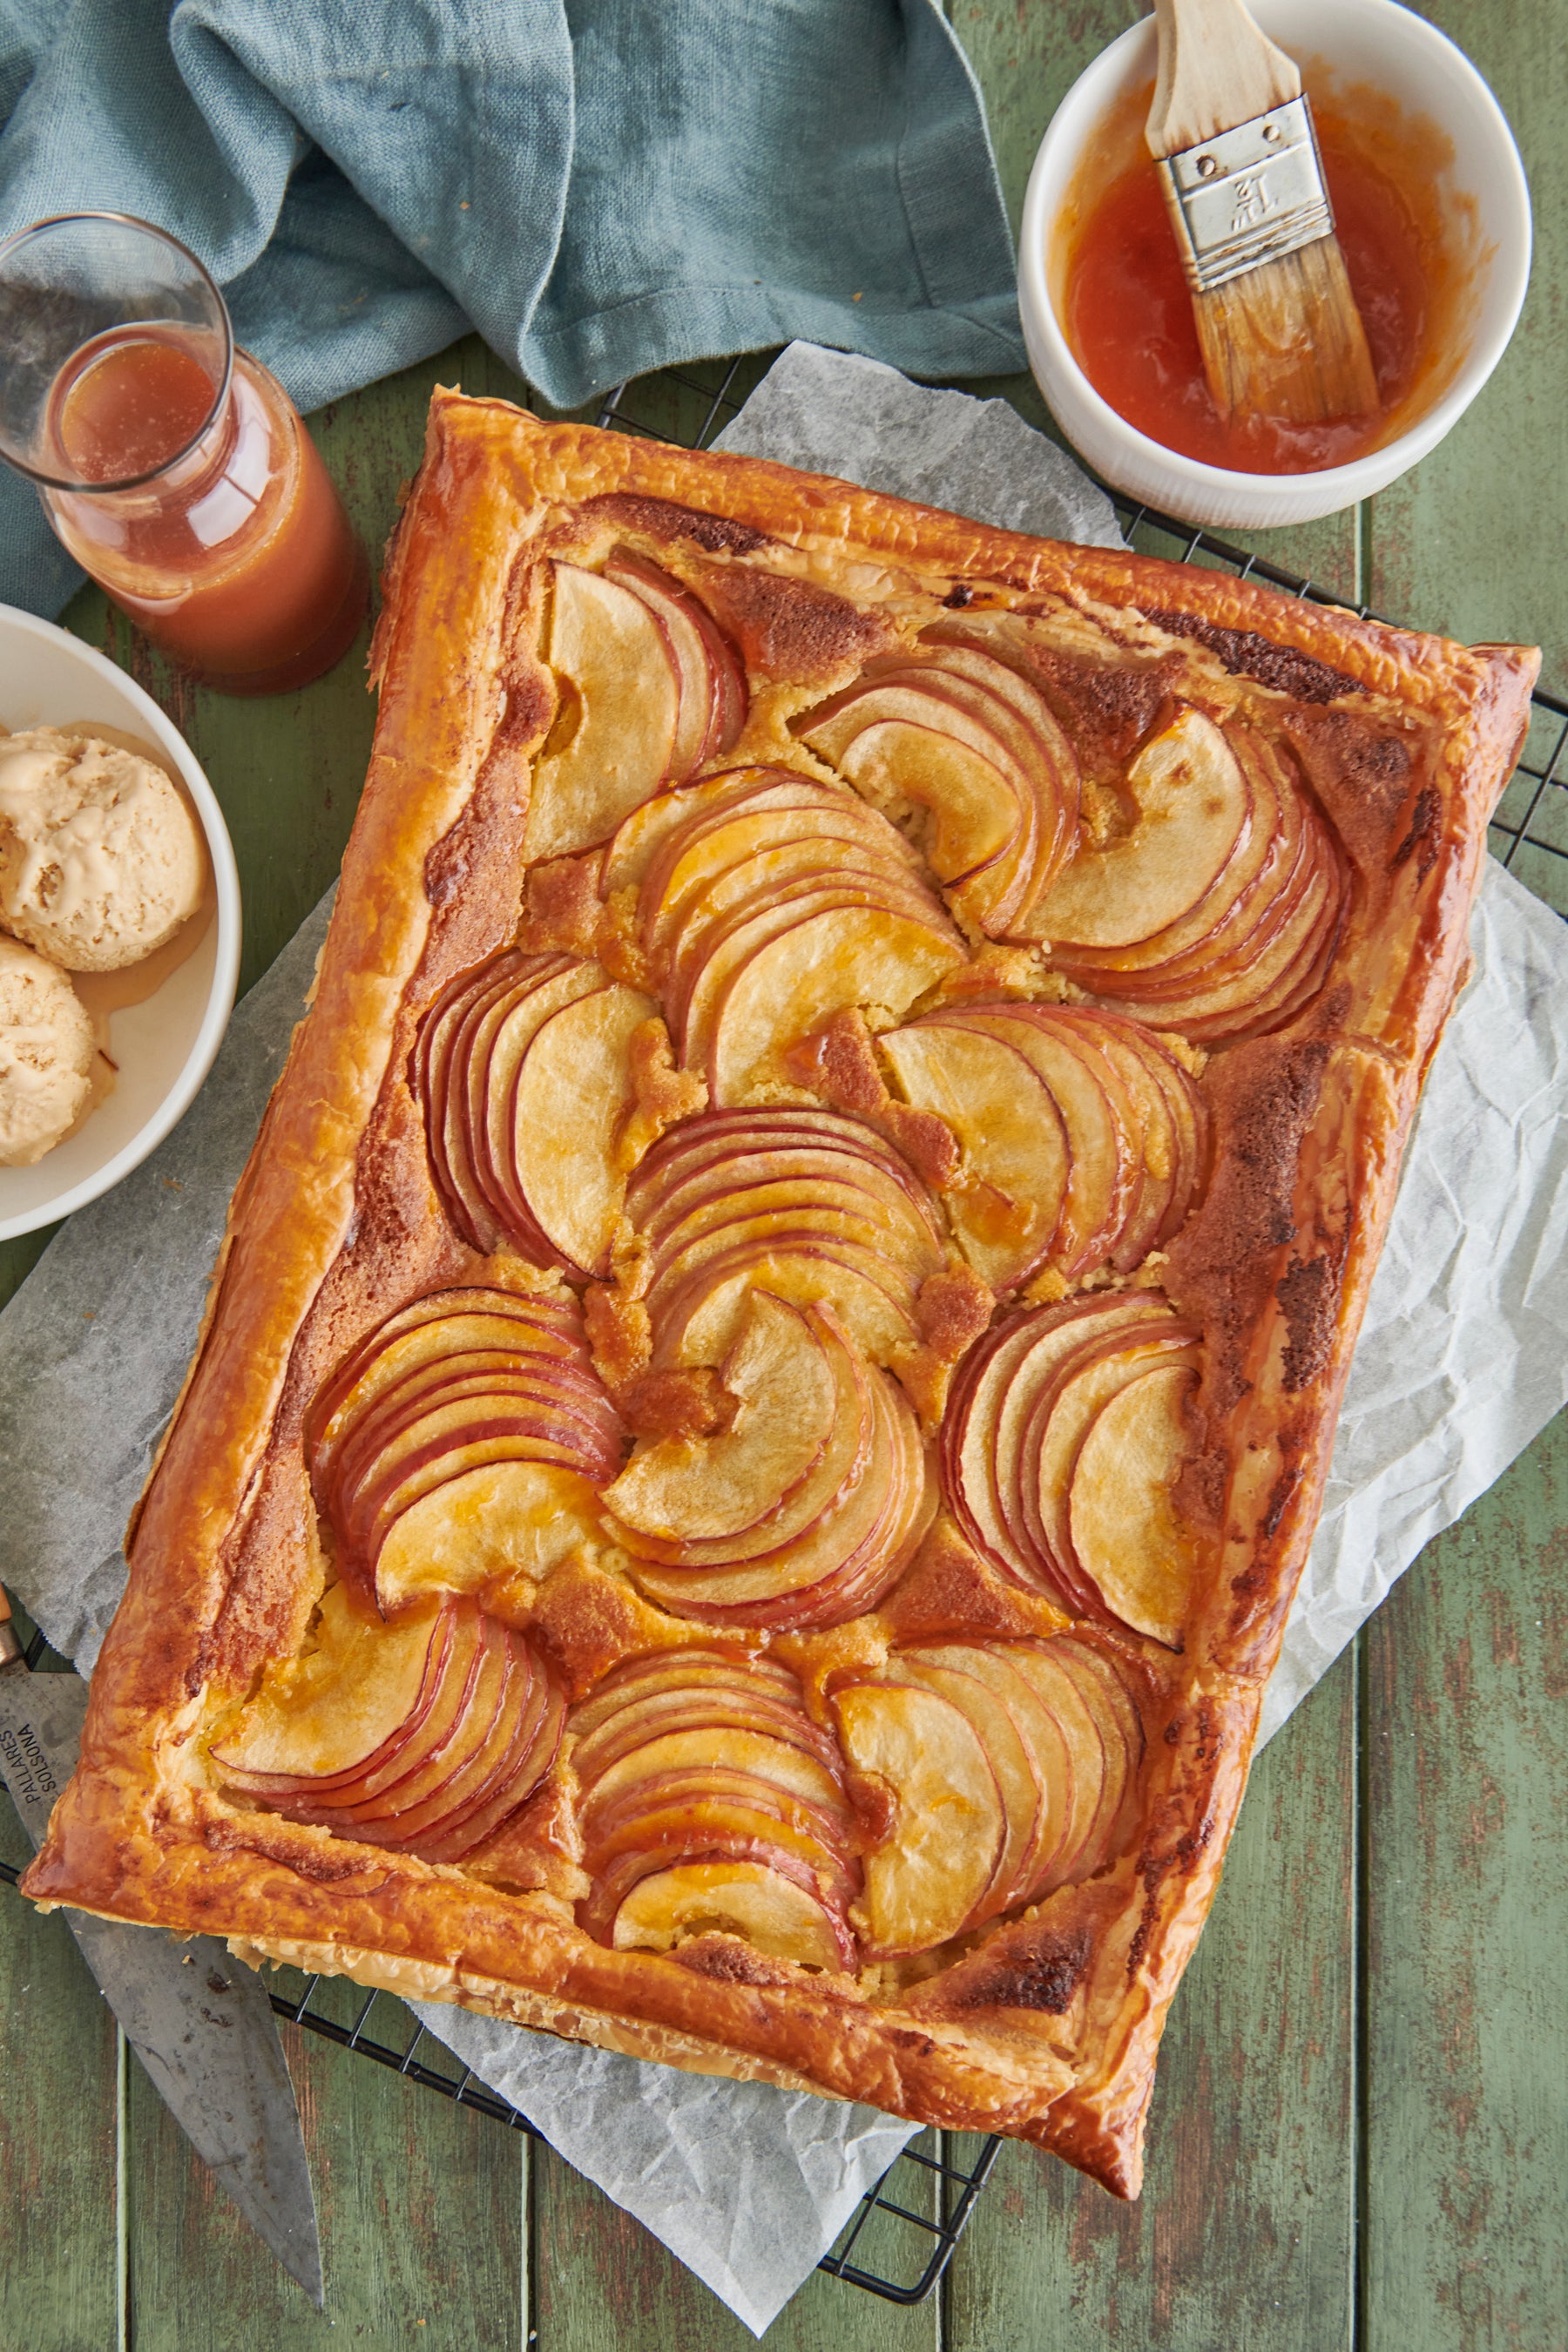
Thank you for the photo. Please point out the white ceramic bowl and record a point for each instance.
(165, 1046)
(1367, 41)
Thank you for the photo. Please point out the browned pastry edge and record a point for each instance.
(1049, 2028)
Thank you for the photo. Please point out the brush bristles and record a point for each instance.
(1286, 341)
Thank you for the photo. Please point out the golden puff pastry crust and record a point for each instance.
(1217, 1269)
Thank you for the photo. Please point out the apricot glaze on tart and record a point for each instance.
(771, 1375)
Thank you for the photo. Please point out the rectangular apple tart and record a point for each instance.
(772, 1371)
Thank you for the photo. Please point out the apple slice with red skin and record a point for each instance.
(896, 744)
(1059, 1692)
(925, 1879)
(1126, 1539)
(1250, 927)
(493, 1099)
(865, 1575)
(697, 1315)
(719, 1140)
(1051, 765)
(473, 1713)
(1006, 1753)
(692, 859)
(482, 1524)
(825, 962)
(1122, 1733)
(682, 1848)
(447, 1323)
(1005, 1213)
(865, 1537)
(708, 662)
(738, 1898)
(1101, 1168)
(1227, 1005)
(765, 1192)
(769, 926)
(1192, 803)
(661, 1761)
(644, 834)
(703, 1171)
(691, 1707)
(617, 654)
(981, 1429)
(1262, 865)
(570, 1099)
(718, 1487)
(716, 1808)
(517, 1776)
(657, 1673)
(346, 1707)
(430, 1082)
(841, 1460)
(783, 872)
(1063, 1411)
(1050, 1757)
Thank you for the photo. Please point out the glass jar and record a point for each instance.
(171, 464)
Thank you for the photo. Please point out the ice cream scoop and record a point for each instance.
(100, 860)
(46, 1048)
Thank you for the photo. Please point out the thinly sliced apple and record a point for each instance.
(704, 1672)
(749, 852)
(793, 982)
(479, 1527)
(351, 1695)
(1065, 1410)
(499, 1042)
(714, 1487)
(572, 1093)
(615, 654)
(669, 605)
(514, 1780)
(1059, 1693)
(733, 1898)
(1101, 1166)
(716, 1811)
(472, 1701)
(1192, 803)
(1050, 1763)
(1008, 1206)
(1125, 1530)
(650, 831)
(719, 1747)
(974, 802)
(698, 1313)
(948, 1675)
(1121, 1735)
(925, 1879)
(696, 1706)
(838, 1464)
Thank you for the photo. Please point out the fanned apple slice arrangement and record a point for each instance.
(524, 1069)
(423, 1734)
(651, 691)
(806, 1510)
(1000, 1770)
(1216, 912)
(952, 730)
(461, 1444)
(1084, 1140)
(768, 902)
(807, 1203)
(711, 1803)
(1060, 1450)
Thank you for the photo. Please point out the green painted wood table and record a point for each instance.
(1360, 2134)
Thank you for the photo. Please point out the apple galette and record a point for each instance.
(770, 1379)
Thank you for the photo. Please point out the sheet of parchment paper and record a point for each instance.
(1462, 1364)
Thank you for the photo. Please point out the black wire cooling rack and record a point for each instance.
(901, 2236)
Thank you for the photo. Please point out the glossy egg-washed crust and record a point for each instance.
(1047, 2026)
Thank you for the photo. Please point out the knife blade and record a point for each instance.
(200, 2022)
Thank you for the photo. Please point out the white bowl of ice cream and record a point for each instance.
(95, 888)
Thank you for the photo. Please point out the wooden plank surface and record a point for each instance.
(1360, 2133)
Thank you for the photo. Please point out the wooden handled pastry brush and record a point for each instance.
(1238, 159)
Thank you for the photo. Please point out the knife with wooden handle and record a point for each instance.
(201, 2023)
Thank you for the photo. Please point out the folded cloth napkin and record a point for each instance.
(600, 186)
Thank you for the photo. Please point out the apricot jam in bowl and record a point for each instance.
(1433, 215)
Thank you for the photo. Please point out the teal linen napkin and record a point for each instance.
(600, 186)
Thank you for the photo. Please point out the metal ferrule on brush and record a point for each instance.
(1249, 196)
